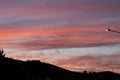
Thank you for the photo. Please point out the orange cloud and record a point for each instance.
(57, 37)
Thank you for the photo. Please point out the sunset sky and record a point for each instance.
(62, 32)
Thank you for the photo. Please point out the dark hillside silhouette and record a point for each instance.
(11, 69)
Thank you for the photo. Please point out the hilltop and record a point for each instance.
(12, 69)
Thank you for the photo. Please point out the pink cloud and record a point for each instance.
(57, 37)
(51, 10)
(49, 58)
(22, 28)
(92, 63)
(75, 63)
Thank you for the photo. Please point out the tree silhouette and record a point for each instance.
(2, 53)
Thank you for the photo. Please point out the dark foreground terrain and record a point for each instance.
(11, 69)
